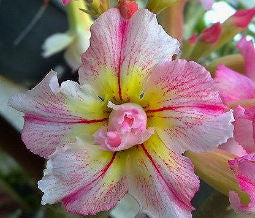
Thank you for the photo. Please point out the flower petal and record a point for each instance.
(248, 52)
(80, 45)
(56, 43)
(244, 128)
(55, 115)
(244, 168)
(112, 64)
(230, 83)
(161, 181)
(233, 147)
(185, 108)
(86, 179)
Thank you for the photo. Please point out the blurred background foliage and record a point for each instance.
(22, 66)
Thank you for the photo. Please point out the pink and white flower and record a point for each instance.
(124, 126)
(235, 87)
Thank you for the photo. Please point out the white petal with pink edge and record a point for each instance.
(87, 180)
(139, 43)
(55, 115)
(230, 83)
(188, 113)
(161, 181)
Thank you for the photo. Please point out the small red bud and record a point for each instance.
(211, 34)
(127, 8)
(193, 39)
(242, 18)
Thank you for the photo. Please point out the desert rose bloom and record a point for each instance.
(236, 88)
(123, 127)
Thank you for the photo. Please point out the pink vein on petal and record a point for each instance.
(123, 30)
(206, 107)
(72, 197)
(160, 174)
(82, 120)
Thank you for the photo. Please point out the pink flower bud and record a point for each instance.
(211, 34)
(65, 2)
(242, 18)
(126, 128)
(193, 39)
(127, 8)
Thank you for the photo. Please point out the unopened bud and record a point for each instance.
(211, 34)
(127, 8)
(188, 46)
(214, 169)
(206, 41)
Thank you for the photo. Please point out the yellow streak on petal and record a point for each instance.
(88, 109)
(132, 85)
(106, 84)
(157, 121)
(156, 146)
(135, 89)
(116, 169)
(158, 151)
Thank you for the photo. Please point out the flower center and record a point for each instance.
(126, 128)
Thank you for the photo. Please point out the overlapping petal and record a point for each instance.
(185, 108)
(244, 168)
(230, 83)
(164, 183)
(86, 179)
(233, 147)
(55, 115)
(248, 52)
(244, 128)
(118, 65)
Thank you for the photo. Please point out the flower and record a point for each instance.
(238, 91)
(124, 127)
